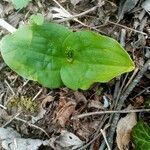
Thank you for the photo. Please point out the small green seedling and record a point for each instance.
(55, 56)
(141, 136)
(19, 4)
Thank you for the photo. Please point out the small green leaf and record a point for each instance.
(54, 55)
(141, 136)
(37, 19)
(19, 4)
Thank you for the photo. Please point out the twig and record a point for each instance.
(131, 78)
(10, 87)
(120, 90)
(97, 134)
(25, 83)
(122, 26)
(3, 107)
(78, 15)
(89, 143)
(67, 12)
(8, 122)
(32, 125)
(123, 98)
(7, 26)
(117, 86)
(140, 92)
(75, 19)
(122, 37)
(104, 136)
(39, 92)
(109, 112)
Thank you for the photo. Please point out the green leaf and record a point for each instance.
(19, 4)
(95, 58)
(35, 52)
(37, 19)
(141, 136)
(54, 55)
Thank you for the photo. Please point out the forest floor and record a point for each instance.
(38, 118)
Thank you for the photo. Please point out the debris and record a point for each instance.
(95, 104)
(47, 99)
(86, 129)
(75, 2)
(58, 13)
(3, 116)
(80, 100)
(146, 5)
(64, 111)
(42, 110)
(12, 140)
(124, 128)
(126, 6)
(68, 141)
(107, 102)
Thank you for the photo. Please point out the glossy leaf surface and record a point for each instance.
(53, 55)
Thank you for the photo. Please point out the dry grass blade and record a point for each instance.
(7, 26)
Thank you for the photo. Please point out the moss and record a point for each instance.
(24, 104)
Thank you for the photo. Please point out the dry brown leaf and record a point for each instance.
(80, 97)
(64, 111)
(138, 101)
(46, 100)
(124, 129)
(86, 129)
(42, 110)
(95, 104)
(80, 100)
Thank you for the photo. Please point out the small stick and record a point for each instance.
(39, 92)
(118, 89)
(25, 83)
(8, 122)
(5, 108)
(97, 134)
(117, 86)
(122, 37)
(108, 112)
(104, 136)
(75, 19)
(120, 25)
(32, 125)
(122, 100)
(131, 78)
(78, 15)
(10, 88)
(7, 26)
(140, 92)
